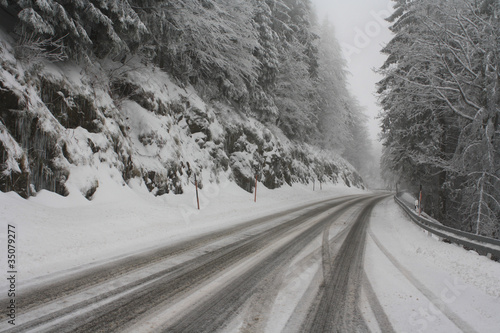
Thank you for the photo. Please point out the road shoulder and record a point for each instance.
(426, 285)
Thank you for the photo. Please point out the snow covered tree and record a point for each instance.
(265, 58)
(341, 122)
(441, 106)
(267, 53)
(79, 27)
(293, 92)
(333, 97)
(301, 23)
(205, 42)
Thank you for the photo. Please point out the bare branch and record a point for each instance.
(452, 107)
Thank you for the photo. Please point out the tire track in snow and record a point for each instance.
(168, 285)
(73, 283)
(337, 307)
(212, 314)
(262, 302)
(85, 280)
(380, 315)
(129, 304)
(328, 250)
(436, 301)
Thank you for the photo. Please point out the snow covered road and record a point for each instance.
(345, 264)
(205, 284)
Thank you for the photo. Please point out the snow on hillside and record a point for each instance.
(70, 127)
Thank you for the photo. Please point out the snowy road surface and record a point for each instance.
(349, 264)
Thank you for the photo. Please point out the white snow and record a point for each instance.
(14, 151)
(56, 233)
(426, 285)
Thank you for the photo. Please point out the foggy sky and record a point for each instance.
(362, 31)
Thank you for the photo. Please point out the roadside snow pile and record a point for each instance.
(56, 233)
(425, 285)
(69, 128)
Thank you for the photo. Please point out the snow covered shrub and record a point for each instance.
(14, 169)
(32, 48)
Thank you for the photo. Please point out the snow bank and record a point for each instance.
(426, 285)
(57, 233)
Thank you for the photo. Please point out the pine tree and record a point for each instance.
(267, 53)
(300, 12)
(441, 110)
(293, 94)
(207, 43)
(80, 27)
(333, 98)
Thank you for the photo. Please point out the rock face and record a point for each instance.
(66, 127)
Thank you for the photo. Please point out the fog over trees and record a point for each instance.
(441, 108)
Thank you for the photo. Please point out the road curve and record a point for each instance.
(337, 307)
(230, 277)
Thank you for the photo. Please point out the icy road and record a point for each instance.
(322, 267)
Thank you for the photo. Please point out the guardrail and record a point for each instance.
(486, 247)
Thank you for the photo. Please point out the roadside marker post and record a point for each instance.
(255, 191)
(196, 185)
(420, 202)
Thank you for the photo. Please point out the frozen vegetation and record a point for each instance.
(78, 109)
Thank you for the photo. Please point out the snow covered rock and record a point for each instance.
(68, 127)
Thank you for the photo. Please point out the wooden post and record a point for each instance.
(196, 185)
(420, 202)
(314, 184)
(255, 191)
